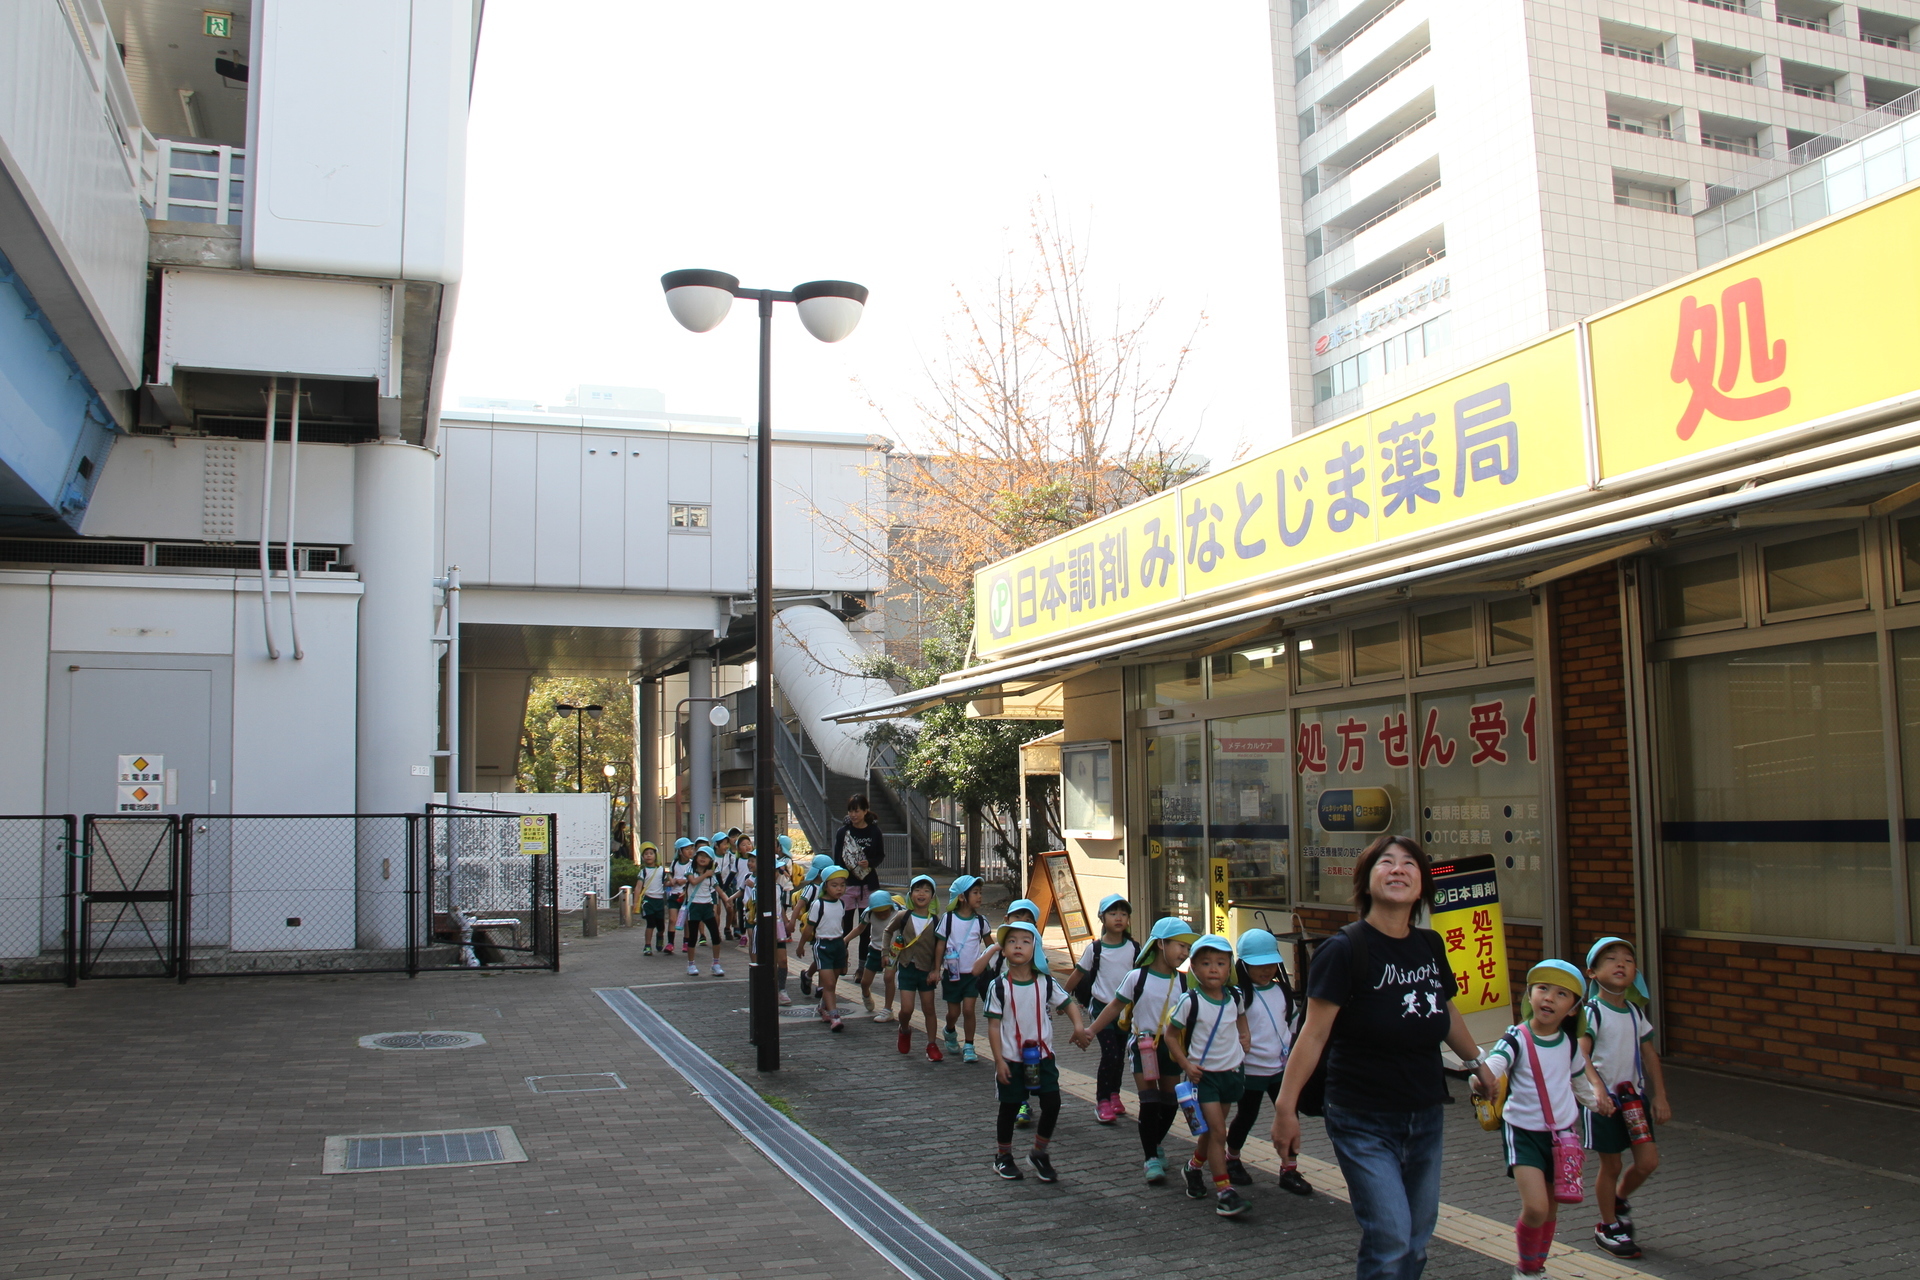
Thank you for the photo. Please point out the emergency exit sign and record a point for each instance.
(218, 25)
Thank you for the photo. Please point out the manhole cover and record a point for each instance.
(423, 1040)
(370, 1152)
(800, 1011)
(591, 1082)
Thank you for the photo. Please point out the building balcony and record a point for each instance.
(1402, 232)
(1356, 51)
(199, 182)
(1373, 171)
(1375, 112)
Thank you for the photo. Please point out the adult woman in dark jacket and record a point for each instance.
(1381, 1031)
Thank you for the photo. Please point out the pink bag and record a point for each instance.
(1569, 1157)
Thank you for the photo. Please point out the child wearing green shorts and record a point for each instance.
(1020, 1004)
(830, 922)
(1617, 1035)
(913, 938)
(875, 959)
(1210, 1047)
(963, 934)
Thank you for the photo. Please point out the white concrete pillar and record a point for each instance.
(646, 738)
(700, 745)
(393, 551)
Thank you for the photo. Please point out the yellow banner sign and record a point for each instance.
(1818, 325)
(1466, 912)
(533, 835)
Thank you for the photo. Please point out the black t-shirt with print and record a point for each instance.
(860, 850)
(1384, 1053)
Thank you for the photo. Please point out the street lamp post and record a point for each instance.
(579, 727)
(830, 309)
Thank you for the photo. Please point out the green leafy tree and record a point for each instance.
(547, 740)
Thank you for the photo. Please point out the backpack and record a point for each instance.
(1238, 996)
(979, 922)
(918, 953)
(1314, 1093)
(1125, 1020)
(1083, 989)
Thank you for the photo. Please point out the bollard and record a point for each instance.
(590, 916)
(626, 906)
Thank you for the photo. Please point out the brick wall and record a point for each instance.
(1594, 782)
(1850, 1019)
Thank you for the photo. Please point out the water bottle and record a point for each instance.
(1188, 1097)
(1633, 1112)
(1149, 1052)
(1030, 1055)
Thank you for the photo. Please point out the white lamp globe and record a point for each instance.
(699, 299)
(830, 309)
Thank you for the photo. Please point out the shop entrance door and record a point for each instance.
(1175, 791)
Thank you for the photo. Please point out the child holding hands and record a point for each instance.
(1617, 1035)
(1020, 1005)
(1209, 1049)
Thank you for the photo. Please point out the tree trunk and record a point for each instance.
(973, 840)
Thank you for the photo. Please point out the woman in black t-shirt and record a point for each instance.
(1381, 1030)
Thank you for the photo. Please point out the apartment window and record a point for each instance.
(1886, 30)
(1731, 6)
(1315, 240)
(1723, 66)
(1634, 53)
(1317, 307)
(688, 515)
(1310, 183)
(1644, 195)
(1882, 93)
(1810, 82)
(1302, 65)
(1306, 124)
(1806, 17)
(1744, 146)
(1654, 127)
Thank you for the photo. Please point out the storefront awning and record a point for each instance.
(1770, 491)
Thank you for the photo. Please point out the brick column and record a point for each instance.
(1594, 782)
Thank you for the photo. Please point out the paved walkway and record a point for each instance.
(158, 1130)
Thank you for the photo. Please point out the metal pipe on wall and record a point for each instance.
(266, 519)
(293, 492)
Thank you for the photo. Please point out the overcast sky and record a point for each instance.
(900, 145)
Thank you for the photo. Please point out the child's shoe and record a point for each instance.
(1004, 1166)
(1103, 1111)
(785, 998)
(1119, 1106)
(1613, 1237)
(905, 1041)
(1237, 1172)
(1025, 1119)
(1042, 1167)
(1290, 1180)
(834, 1023)
(1623, 1214)
(646, 951)
(1196, 1183)
(885, 1015)
(718, 972)
(693, 970)
(866, 998)
(1156, 1170)
(933, 1052)
(1229, 1203)
(967, 1053)
(806, 983)
(953, 1041)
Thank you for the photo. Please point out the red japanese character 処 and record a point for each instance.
(1700, 347)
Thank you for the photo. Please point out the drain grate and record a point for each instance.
(423, 1040)
(590, 1082)
(372, 1152)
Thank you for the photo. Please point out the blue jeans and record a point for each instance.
(1391, 1160)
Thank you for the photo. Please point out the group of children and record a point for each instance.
(703, 891)
(1583, 1060)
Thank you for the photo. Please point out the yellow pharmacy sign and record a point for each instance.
(1466, 911)
(1820, 324)
(1217, 896)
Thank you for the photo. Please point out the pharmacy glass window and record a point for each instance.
(1478, 752)
(1250, 791)
(1175, 793)
(1351, 766)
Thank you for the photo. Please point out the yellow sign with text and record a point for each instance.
(1466, 912)
(1116, 565)
(1818, 325)
(1217, 915)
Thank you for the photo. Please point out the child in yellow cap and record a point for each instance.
(1548, 1080)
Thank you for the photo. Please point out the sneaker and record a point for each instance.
(933, 1052)
(906, 1040)
(785, 998)
(646, 951)
(1290, 1180)
(1156, 1170)
(1229, 1203)
(953, 1041)
(885, 1015)
(834, 1023)
(1025, 1119)
(806, 983)
(1119, 1106)
(1196, 1183)
(866, 998)
(1004, 1166)
(1623, 1214)
(1042, 1167)
(1103, 1111)
(1613, 1237)
(1237, 1173)
(967, 1054)
(718, 972)
(693, 970)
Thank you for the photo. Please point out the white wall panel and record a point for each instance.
(514, 454)
(466, 485)
(603, 513)
(127, 613)
(328, 110)
(557, 510)
(585, 609)
(293, 726)
(689, 562)
(733, 518)
(25, 608)
(441, 58)
(235, 321)
(154, 487)
(689, 471)
(646, 514)
(793, 531)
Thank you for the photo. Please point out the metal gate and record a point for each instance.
(39, 866)
(501, 871)
(128, 903)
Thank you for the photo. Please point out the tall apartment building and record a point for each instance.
(1460, 177)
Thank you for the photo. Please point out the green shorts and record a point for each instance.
(653, 910)
(1016, 1092)
(871, 961)
(1530, 1147)
(1223, 1087)
(831, 953)
(698, 911)
(955, 990)
(912, 979)
(1269, 1085)
(1606, 1134)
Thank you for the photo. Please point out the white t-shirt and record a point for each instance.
(1267, 1010)
(1617, 1035)
(1149, 993)
(966, 939)
(679, 870)
(1560, 1061)
(1108, 963)
(1214, 1040)
(653, 882)
(833, 918)
(701, 891)
(1021, 1011)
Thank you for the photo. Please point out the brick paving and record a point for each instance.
(158, 1130)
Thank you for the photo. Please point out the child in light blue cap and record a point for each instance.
(1102, 966)
(1271, 1024)
(963, 933)
(1141, 1007)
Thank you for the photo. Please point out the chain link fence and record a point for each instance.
(501, 870)
(38, 860)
